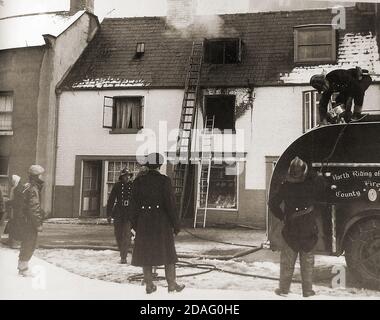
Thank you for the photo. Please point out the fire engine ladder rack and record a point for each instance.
(186, 124)
(205, 168)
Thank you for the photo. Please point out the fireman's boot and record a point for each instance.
(357, 113)
(287, 262)
(23, 269)
(170, 275)
(307, 267)
(150, 287)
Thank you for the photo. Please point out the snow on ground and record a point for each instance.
(103, 265)
(56, 283)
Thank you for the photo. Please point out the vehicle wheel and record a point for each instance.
(362, 251)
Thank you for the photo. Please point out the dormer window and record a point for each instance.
(315, 44)
(222, 51)
(140, 49)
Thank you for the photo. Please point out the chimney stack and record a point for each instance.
(78, 5)
(180, 13)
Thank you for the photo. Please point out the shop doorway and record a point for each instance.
(91, 188)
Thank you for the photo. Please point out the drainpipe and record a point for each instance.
(57, 103)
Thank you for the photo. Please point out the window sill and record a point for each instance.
(6, 133)
(124, 131)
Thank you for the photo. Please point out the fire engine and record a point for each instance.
(348, 217)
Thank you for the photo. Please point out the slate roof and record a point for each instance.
(28, 30)
(267, 58)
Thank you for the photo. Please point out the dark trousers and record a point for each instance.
(170, 275)
(287, 263)
(122, 228)
(28, 245)
(356, 93)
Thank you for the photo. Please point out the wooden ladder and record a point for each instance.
(205, 168)
(186, 124)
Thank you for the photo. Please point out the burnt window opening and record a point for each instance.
(315, 44)
(222, 107)
(222, 51)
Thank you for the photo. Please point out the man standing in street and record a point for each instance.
(155, 220)
(299, 193)
(33, 216)
(118, 208)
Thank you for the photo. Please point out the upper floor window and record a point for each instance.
(311, 108)
(123, 114)
(314, 44)
(222, 51)
(6, 109)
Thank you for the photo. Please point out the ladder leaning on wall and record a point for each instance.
(205, 168)
(186, 124)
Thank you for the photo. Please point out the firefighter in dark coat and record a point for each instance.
(33, 216)
(351, 85)
(299, 193)
(156, 222)
(119, 208)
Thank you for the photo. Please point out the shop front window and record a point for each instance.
(114, 168)
(222, 188)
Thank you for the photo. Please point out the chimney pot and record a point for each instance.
(78, 5)
(180, 13)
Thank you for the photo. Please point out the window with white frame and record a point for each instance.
(314, 44)
(311, 108)
(114, 168)
(123, 114)
(6, 109)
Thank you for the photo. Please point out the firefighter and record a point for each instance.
(33, 216)
(351, 85)
(155, 221)
(118, 208)
(299, 193)
(14, 207)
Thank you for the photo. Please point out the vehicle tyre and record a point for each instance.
(362, 252)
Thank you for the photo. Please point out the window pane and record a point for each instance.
(5, 121)
(3, 103)
(128, 113)
(4, 186)
(222, 189)
(314, 52)
(86, 184)
(3, 166)
(215, 51)
(309, 37)
(231, 51)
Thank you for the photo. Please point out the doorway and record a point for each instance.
(91, 188)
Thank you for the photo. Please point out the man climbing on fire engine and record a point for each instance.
(351, 85)
(299, 193)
